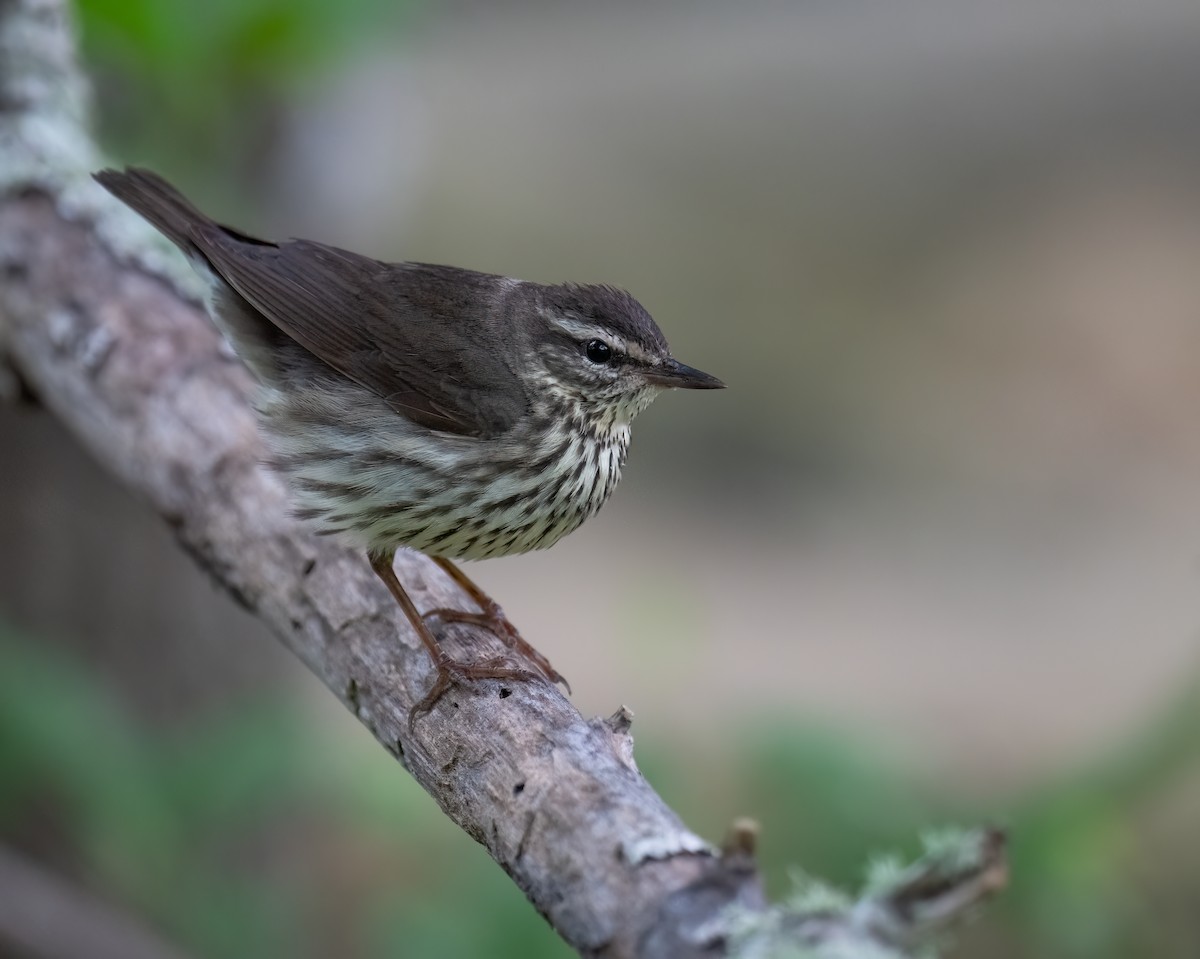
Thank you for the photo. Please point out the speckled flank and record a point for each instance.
(444, 499)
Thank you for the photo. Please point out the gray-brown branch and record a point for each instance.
(97, 321)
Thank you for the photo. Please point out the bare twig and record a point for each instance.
(902, 908)
(99, 324)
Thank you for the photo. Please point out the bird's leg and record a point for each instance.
(449, 670)
(491, 617)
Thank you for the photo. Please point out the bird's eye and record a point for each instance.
(597, 351)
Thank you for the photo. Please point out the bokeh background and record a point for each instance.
(934, 557)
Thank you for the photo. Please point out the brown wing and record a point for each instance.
(422, 337)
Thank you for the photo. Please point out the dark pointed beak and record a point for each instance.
(671, 374)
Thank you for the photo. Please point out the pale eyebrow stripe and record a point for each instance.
(583, 330)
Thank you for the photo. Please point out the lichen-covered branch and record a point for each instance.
(903, 908)
(96, 319)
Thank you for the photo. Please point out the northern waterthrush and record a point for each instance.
(461, 414)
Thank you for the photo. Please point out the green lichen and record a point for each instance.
(884, 873)
(952, 849)
(812, 896)
(46, 143)
(45, 139)
(901, 912)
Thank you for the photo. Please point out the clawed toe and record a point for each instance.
(491, 617)
(450, 672)
(496, 623)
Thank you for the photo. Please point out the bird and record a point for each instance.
(460, 414)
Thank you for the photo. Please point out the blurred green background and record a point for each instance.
(932, 558)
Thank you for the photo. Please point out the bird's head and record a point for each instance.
(599, 348)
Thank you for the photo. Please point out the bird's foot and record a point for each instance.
(450, 672)
(492, 619)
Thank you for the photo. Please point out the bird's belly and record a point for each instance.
(535, 511)
(474, 508)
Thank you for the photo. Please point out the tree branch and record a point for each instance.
(110, 336)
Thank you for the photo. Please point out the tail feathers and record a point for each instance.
(159, 202)
(260, 344)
